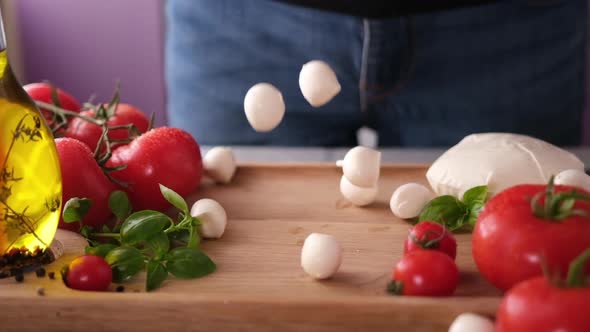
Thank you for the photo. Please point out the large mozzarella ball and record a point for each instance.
(264, 107)
(318, 83)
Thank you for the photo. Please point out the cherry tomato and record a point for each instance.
(535, 305)
(164, 155)
(425, 273)
(90, 133)
(42, 92)
(83, 178)
(510, 242)
(431, 235)
(89, 273)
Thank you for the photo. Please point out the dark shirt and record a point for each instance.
(384, 8)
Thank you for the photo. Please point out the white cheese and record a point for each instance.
(469, 322)
(575, 178)
(409, 199)
(362, 166)
(359, 196)
(264, 107)
(498, 160)
(321, 255)
(318, 83)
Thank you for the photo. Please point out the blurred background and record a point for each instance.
(87, 46)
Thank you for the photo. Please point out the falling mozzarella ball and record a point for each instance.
(409, 199)
(321, 255)
(359, 196)
(219, 164)
(264, 107)
(361, 166)
(318, 83)
(575, 178)
(212, 216)
(469, 322)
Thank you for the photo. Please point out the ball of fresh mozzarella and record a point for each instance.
(575, 178)
(220, 164)
(264, 107)
(361, 166)
(359, 196)
(469, 322)
(321, 255)
(409, 199)
(212, 216)
(318, 83)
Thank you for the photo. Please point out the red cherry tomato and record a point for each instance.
(510, 243)
(42, 92)
(535, 305)
(431, 235)
(90, 133)
(83, 178)
(425, 273)
(164, 155)
(89, 273)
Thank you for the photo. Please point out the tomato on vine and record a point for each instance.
(433, 236)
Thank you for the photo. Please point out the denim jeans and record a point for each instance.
(420, 81)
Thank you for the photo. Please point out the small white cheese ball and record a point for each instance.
(212, 216)
(361, 166)
(264, 107)
(359, 196)
(469, 322)
(575, 178)
(321, 255)
(219, 164)
(409, 199)
(318, 83)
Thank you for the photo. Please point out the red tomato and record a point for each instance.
(431, 235)
(510, 243)
(89, 273)
(42, 92)
(89, 133)
(164, 155)
(535, 305)
(425, 273)
(83, 178)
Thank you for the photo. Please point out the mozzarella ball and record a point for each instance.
(264, 107)
(220, 164)
(409, 199)
(575, 178)
(361, 166)
(318, 83)
(469, 322)
(359, 196)
(321, 255)
(212, 216)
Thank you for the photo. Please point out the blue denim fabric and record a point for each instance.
(425, 80)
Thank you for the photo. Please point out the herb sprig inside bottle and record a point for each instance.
(145, 240)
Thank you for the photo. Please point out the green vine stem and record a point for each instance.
(575, 274)
(557, 206)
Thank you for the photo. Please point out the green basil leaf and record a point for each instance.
(189, 263)
(446, 210)
(125, 262)
(159, 243)
(119, 204)
(179, 237)
(142, 225)
(475, 195)
(100, 250)
(75, 209)
(156, 274)
(85, 231)
(174, 199)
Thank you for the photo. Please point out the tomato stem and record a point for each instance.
(557, 206)
(575, 274)
(395, 287)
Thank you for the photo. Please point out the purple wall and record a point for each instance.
(86, 46)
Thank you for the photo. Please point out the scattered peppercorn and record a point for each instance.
(19, 277)
(41, 291)
(51, 275)
(40, 272)
(120, 289)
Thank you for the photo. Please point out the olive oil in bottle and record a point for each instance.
(30, 178)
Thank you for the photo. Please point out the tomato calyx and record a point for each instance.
(557, 206)
(575, 275)
(395, 287)
(425, 242)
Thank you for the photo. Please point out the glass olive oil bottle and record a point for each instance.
(30, 178)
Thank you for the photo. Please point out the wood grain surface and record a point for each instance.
(259, 284)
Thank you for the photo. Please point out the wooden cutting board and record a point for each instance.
(259, 284)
